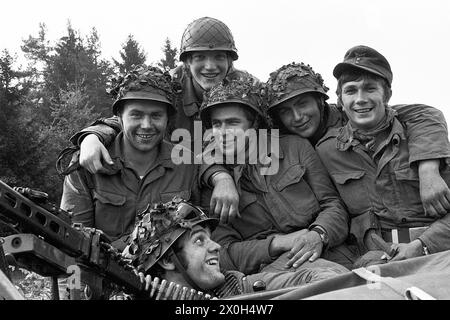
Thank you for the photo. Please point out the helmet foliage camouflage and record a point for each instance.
(207, 34)
(242, 91)
(144, 83)
(159, 227)
(292, 80)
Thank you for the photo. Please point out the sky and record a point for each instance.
(414, 35)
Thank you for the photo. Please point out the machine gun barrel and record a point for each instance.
(91, 247)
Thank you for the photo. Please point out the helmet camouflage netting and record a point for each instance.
(158, 228)
(207, 34)
(244, 91)
(292, 80)
(154, 84)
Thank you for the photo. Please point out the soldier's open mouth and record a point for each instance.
(212, 262)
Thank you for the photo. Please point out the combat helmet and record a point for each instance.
(244, 91)
(292, 80)
(158, 228)
(144, 83)
(207, 34)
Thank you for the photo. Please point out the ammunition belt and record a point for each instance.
(164, 290)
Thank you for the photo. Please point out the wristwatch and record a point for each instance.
(425, 251)
(322, 233)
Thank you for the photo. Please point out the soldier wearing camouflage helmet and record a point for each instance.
(142, 170)
(207, 51)
(297, 105)
(297, 102)
(288, 218)
(172, 250)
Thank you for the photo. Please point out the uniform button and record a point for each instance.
(404, 220)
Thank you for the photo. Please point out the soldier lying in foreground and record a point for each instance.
(171, 247)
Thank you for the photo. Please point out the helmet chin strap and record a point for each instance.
(180, 268)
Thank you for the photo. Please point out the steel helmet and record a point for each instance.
(245, 91)
(207, 34)
(292, 80)
(144, 83)
(159, 226)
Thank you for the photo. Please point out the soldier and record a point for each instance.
(297, 105)
(142, 170)
(288, 217)
(171, 246)
(369, 159)
(207, 51)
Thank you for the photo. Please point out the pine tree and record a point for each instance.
(131, 55)
(16, 140)
(68, 94)
(169, 61)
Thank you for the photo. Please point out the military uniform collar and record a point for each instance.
(345, 140)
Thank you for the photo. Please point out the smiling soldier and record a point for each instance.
(207, 52)
(369, 160)
(172, 250)
(142, 171)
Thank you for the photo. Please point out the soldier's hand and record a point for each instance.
(306, 247)
(408, 250)
(434, 192)
(225, 198)
(92, 152)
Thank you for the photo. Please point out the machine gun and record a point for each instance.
(50, 245)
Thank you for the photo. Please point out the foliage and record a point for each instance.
(131, 55)
(60, 89)
(170, 56)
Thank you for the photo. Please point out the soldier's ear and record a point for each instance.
(387, 95)
(166, 263)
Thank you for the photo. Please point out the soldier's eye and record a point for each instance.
(199, 240)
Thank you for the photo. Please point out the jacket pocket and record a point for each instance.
(291, 176)
(297, 203)
(406, 190)
(246, 199)
(343, 177)
(254, 222)
(168, 196)
(352, 190)
(111, 212)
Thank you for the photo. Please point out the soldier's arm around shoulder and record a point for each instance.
(426, 130)
(106, 129)
(77, 197)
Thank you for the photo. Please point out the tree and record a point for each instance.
(68, 92)
(169, 61)
(16, 140)
(131, 55)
